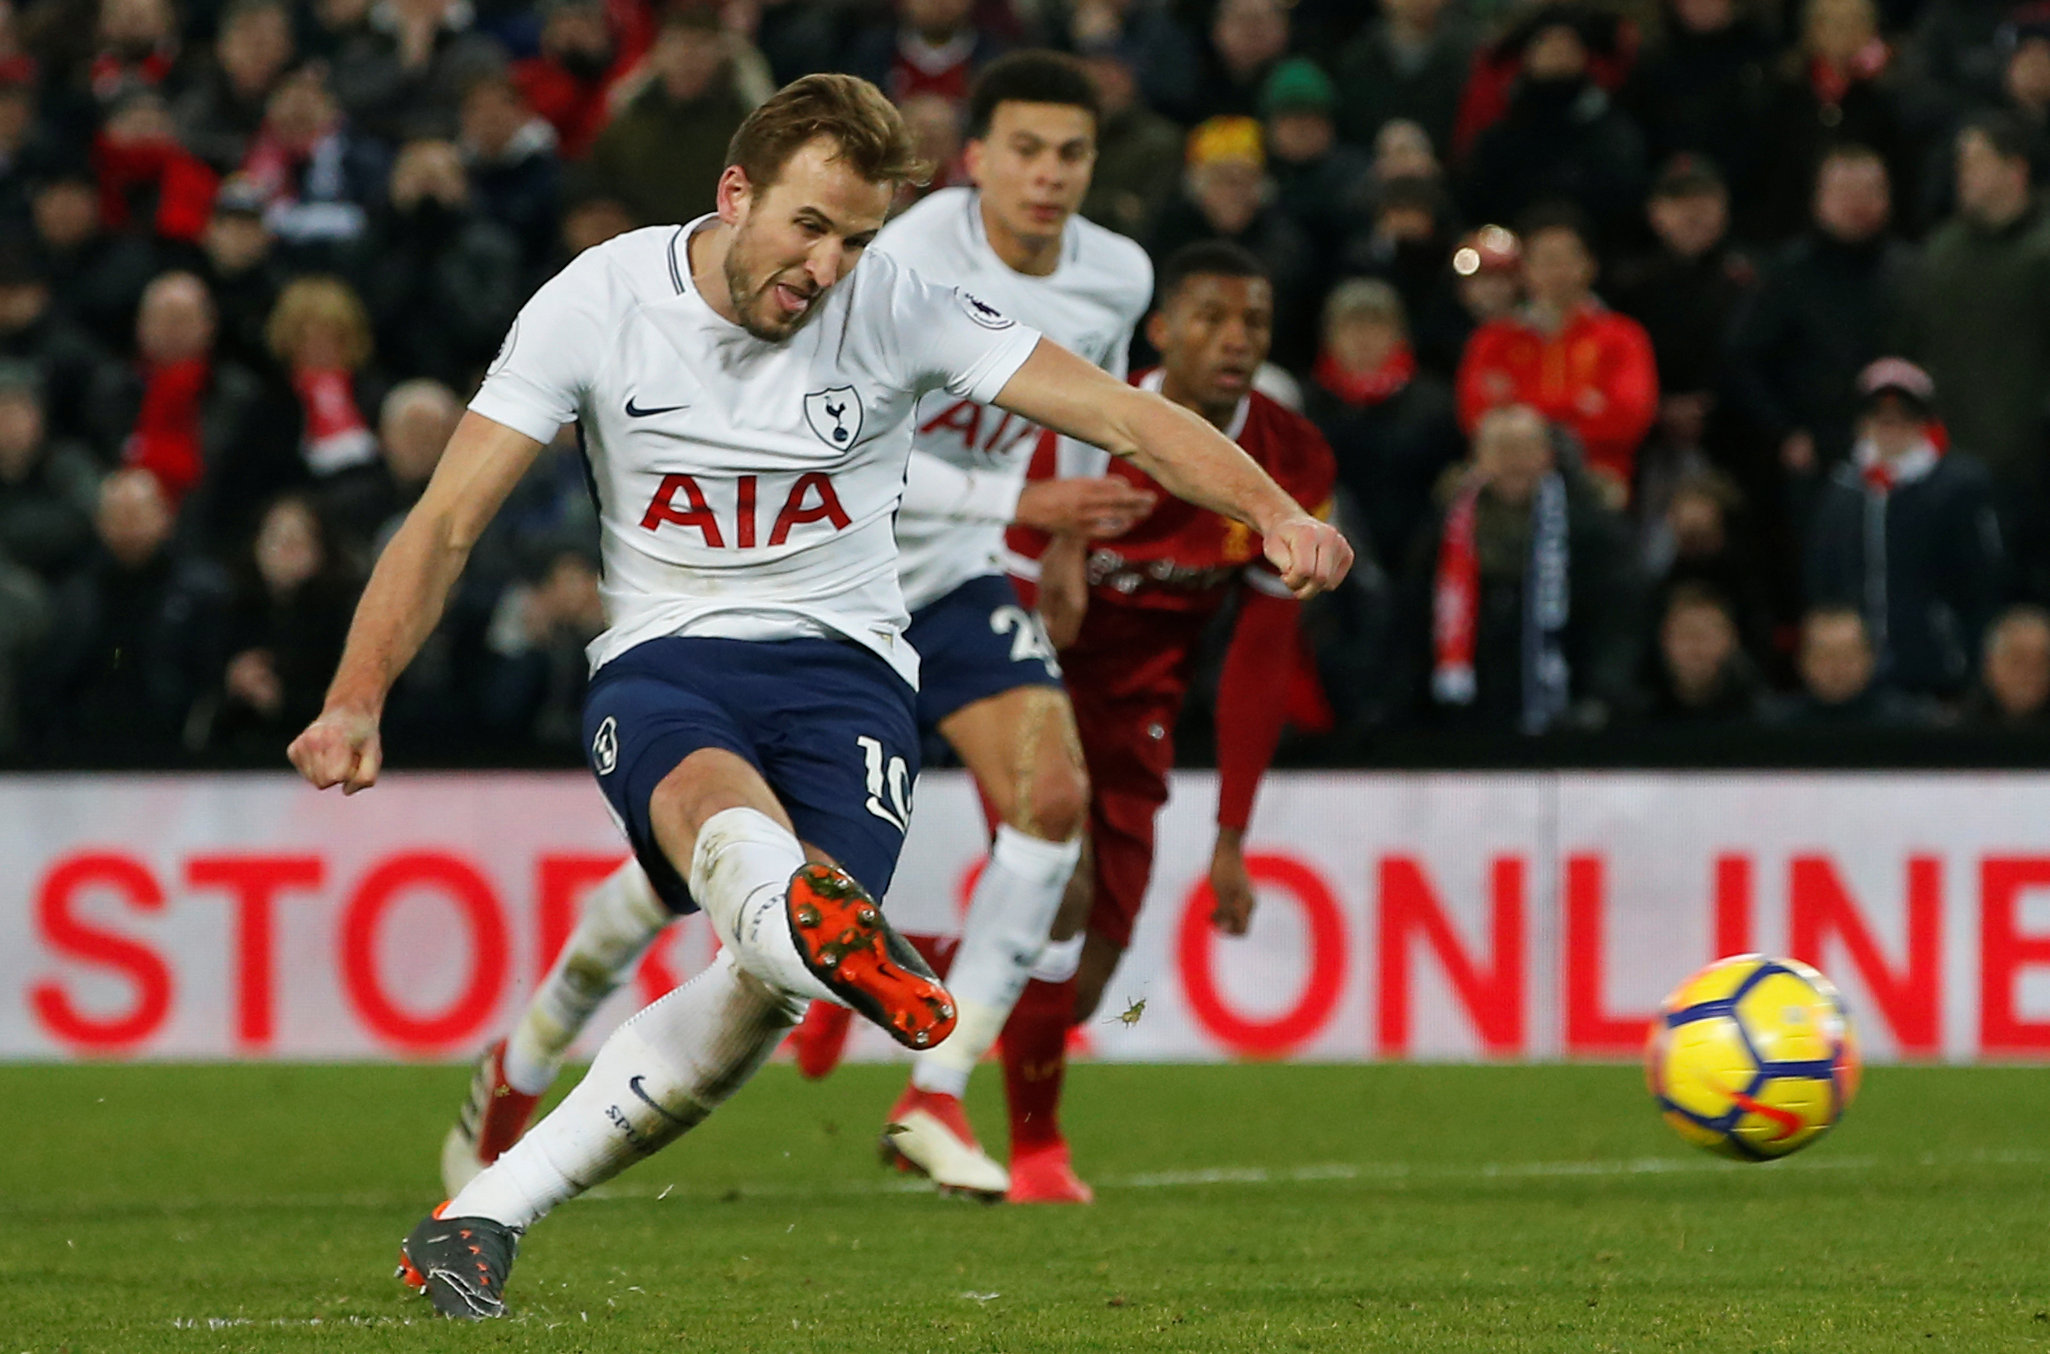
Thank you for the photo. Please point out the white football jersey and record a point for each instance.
(968, 461)
(745, 489)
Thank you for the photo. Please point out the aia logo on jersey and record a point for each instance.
(681, 501)
(983, 313)
(834, 415)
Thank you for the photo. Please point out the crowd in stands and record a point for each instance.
(1686, 363)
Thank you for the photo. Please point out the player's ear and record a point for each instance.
(1156, 330)
(971, 159)
(735, 191)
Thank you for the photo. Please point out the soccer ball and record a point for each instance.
(1752, 1057)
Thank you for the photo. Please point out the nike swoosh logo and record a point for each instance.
(634, 411)
(634, 1084)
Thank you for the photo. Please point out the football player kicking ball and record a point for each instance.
(1128, 615)
(745, 386)
(987, 681)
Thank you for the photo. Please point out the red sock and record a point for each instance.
(1035, 1047)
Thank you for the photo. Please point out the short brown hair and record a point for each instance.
(318, 300)
(867, 127)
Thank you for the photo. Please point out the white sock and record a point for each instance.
(1008, 917)
(655, 1079)
(1060, 960)
(740, 874)
(621, 918)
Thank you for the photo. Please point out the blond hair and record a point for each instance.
(316, 300)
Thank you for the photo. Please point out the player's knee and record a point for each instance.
(1058, 799)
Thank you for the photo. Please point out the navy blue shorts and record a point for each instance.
(977, 641)
(831, 727)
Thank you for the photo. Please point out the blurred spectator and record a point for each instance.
(442, 282)
(63, 354)
(1409, 63)
(1324, 186)
(187, 416)
(1561, 135)
(1684, 294)
(933, 47)
(2013, 691)
(1390, 425)
(141, 629)
(1246, 38)
(400, 75)
(1837, 688)
(48, 488)
(1703, 88)
(1145, 39)
(137, 48)
(237, 263)
(20, 134)
(662, 155)
(95, 276)
(1977, 310)
(1815, 321)
(1227, 195)
(1957, 45)
(1702, 675)
(282, 632)
(567, 81)
(316, 176)
(1404, 150)
(1487, 284)
(1905, 533)
(1837, 86)
(1408, 244)
(935, 127)
(147, 180)
(319, 334)
(367, 504)
(1138, 152)
(589, 218)
(2025, 80)
(1581, 365)
(1522, 594)
(1702, 537)
(514, 175)
(221, 113)
(533, 685)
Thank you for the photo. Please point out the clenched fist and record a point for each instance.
(1311, 556)
(340, 748)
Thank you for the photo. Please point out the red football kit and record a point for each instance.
(1152, 593)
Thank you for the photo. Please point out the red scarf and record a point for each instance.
(1371, 386)
(166, 440)
(1456, 604)
(110, 71)
(1883, 477)
(336, 436)
(184, 185)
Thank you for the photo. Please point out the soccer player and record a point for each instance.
(987, 681)
(744, 385)
(1128, 615)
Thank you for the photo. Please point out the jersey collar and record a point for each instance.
(1152, 379)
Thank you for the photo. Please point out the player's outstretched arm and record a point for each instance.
(1190, 459)
(403, 601)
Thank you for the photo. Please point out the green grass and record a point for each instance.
(1240, 1208)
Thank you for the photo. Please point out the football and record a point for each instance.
(1753, 1057)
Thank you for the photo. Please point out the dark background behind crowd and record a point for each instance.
(1688, 367)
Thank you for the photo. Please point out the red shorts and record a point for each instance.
(1128, 743)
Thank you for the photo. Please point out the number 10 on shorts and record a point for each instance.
(889, 784)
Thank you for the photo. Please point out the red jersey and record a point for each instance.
(1595, 376)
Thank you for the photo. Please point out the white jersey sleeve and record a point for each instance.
(956, 341)
(552, 352)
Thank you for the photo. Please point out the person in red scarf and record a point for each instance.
(1566, 355)
(1905, 532)
(137, 48)
(320, 334)
(174, 337)
(587, 46)
(1390, 424)
(1838, 86)
(146, 178)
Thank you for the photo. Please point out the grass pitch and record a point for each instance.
(1240, 1208)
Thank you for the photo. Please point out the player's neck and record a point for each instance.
(1172, 390)
(1032, 255)
(706, 252)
